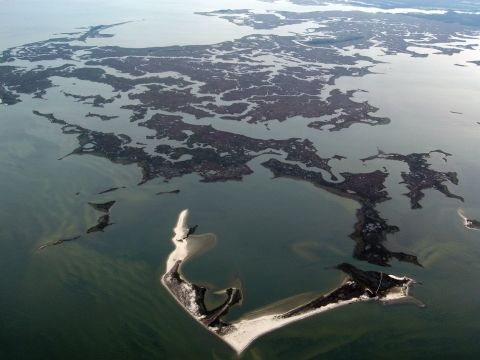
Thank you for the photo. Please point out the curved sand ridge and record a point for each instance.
(469, 223)
(359, 286)
(181, 251)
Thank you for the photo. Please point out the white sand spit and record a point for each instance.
(242, 333)
(469, 224)
(181, 248)
(248, 330)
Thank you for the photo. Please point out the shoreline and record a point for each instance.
(242, 338)
(469, 223)
(239, 335)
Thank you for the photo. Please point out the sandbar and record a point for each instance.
(359, 286)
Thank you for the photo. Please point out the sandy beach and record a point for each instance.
(239, 335)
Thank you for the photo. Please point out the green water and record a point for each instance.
(100, 296)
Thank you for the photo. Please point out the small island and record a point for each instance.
(359, 286)
(58, 242)
(103, 221)
(469, 223)
(102, 117)
(472, 224)
(168, 192)
(111, 189)
(421, 177)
